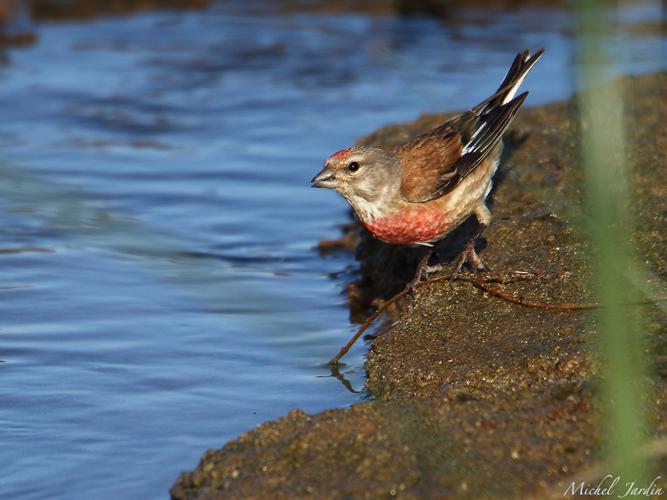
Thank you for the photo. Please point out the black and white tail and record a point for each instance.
(492, 116)
(523, 63)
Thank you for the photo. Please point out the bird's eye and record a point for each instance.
(353, 166)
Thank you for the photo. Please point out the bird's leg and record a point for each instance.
(469, 254)
(422, 269)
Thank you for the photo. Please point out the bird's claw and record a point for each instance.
(412, 284)
(468, 255)
(421, 275)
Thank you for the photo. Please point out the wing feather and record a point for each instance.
(433, 163)
(428, 162)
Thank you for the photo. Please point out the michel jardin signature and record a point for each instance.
(610, 486)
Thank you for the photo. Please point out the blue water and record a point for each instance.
(160, 290)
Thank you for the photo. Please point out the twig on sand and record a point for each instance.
(496, 292)
(481, 282)
(380, 311)
(371, 319)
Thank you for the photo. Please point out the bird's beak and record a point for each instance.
(325, 179)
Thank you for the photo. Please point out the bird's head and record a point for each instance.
(367, 177)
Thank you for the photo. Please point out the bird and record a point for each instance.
(423, 189)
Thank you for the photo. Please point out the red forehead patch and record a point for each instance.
(340, 154)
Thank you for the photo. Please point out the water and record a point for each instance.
(160, 290)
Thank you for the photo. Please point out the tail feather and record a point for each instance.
(523, 63)
(490, 118)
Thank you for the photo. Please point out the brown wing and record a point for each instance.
(428, 162)
(433, 163)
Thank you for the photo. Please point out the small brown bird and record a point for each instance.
(426, 187)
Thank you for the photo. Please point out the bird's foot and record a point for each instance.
(421, 272)
(412, 284)
(422, 275)
(468, 255)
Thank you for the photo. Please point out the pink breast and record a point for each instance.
(410, 226)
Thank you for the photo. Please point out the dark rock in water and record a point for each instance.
(451, 8)
(475, 396)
